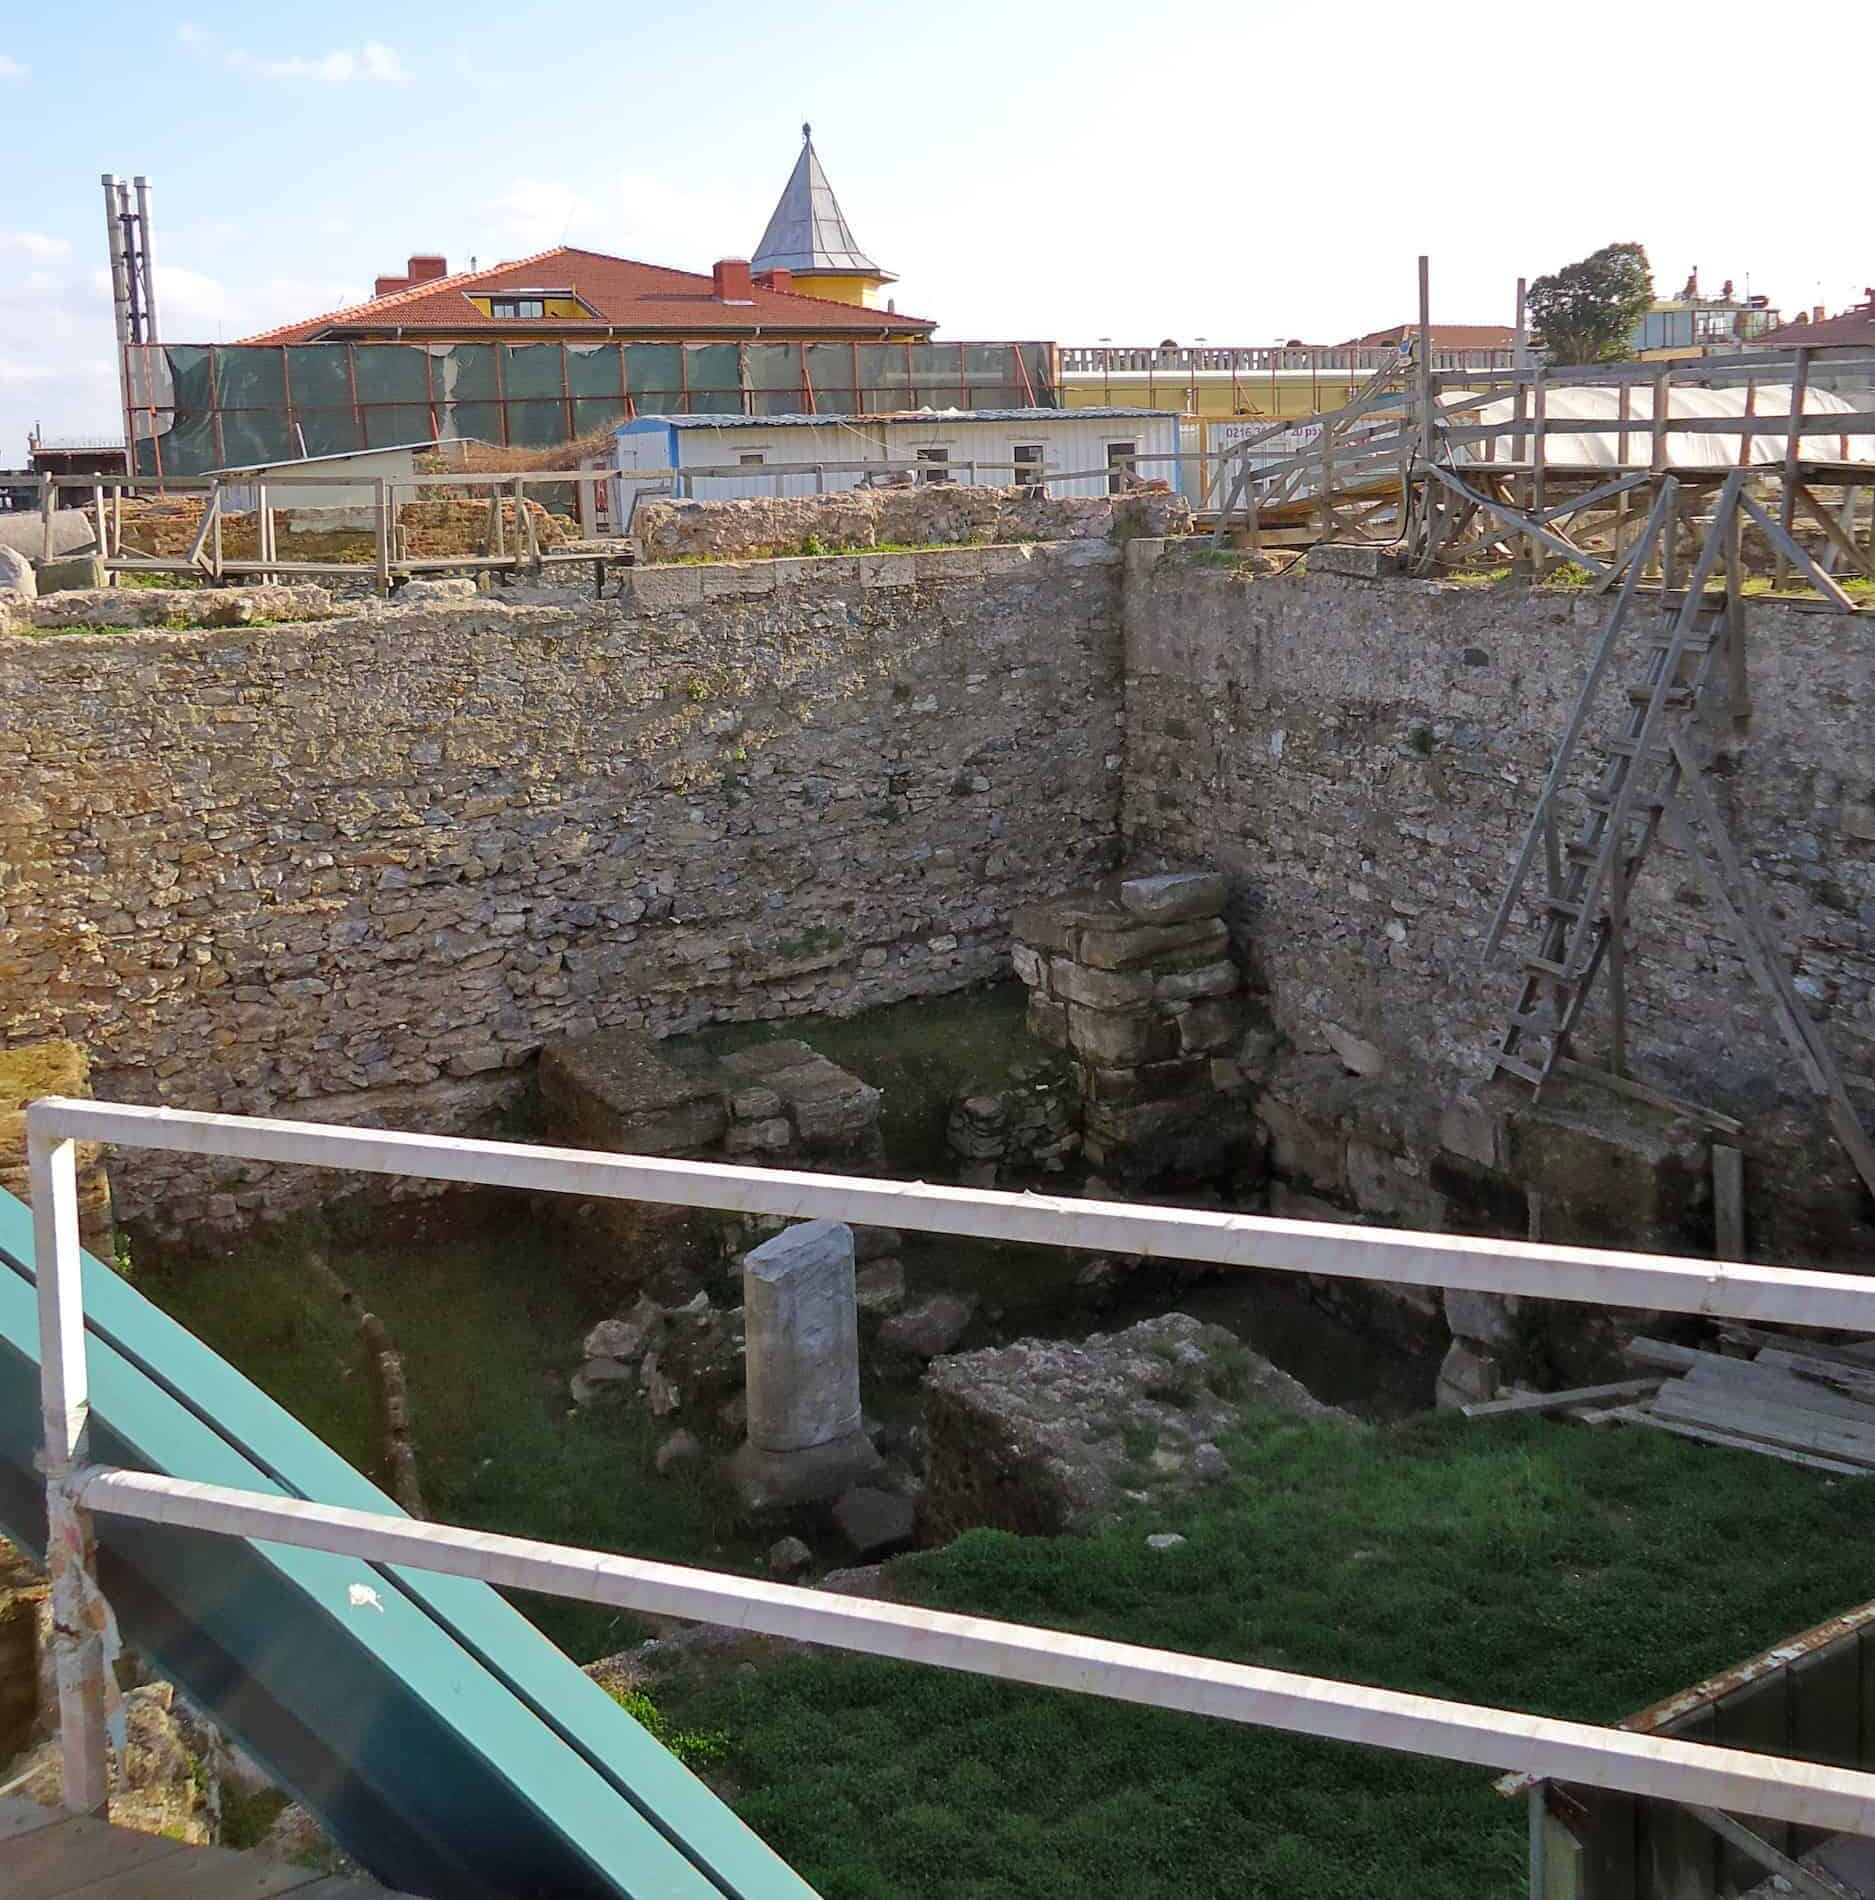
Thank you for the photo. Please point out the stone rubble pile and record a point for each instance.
(1048, 1436)
(1025, 1126)
(1139, 988)
(855, 519)
(778, 1102)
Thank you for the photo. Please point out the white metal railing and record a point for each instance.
(1654, 1767)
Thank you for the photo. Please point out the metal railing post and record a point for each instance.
(79, 1615)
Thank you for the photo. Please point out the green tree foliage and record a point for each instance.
(1586, 311)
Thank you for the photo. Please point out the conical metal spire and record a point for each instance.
(808, 231)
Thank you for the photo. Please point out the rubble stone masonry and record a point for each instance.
(361, 870)
(1361, 758)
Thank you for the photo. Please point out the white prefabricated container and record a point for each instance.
(729, 458)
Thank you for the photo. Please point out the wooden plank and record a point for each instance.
(1731, 1441)
(1529, 1403)
(53, 1861)
(1794, 1430)
(1766, 1385)
(1776, 1384)
(23, 1817)
(202, 1873)
(1728, 1202)
(1857, 1358)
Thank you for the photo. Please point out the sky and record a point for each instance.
(1075, 172)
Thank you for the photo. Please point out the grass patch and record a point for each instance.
(488, 1324)
(1528, 1564)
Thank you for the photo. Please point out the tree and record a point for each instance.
(1586, 311)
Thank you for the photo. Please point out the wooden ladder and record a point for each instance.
(1651, 778)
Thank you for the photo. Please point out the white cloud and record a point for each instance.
(660, 223)
(636, 216)
(373, 63)
(12, 68)
(32, 244)
(536, 212)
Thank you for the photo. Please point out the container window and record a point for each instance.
(936, 469)
(1122, 465)
(1027, 457)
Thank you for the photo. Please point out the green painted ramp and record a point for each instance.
(439, 1737)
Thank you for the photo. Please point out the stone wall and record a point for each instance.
(1361, 758)
(948, 513)
(362, 870)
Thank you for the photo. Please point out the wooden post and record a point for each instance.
(1539, 463)
(383, 525)
(1618, 952)
(1728, 1203)
(1657, 458)
(215, 532)
(48, 501)
(1738, 685)
(263, 531)
(1793, 454)
(1425, 360)
(1624, 410)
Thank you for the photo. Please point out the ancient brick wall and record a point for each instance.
(360, 870)
(1361, 758)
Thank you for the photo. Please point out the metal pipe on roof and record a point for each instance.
(152, 329)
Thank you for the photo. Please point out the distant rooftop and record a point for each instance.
(645, 424)
(808, 232)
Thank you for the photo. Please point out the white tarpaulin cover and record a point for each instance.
(1598, 449)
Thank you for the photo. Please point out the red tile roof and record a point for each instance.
(619, 293)
(1853, 329)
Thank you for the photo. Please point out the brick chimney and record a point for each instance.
(777, 279)
(427, 268)
(732, 282)
(385, 285)
(1816, 313)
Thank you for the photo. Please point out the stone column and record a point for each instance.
(801, 1315)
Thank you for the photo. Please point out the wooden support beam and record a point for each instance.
(1792, 555)
(1793, 451)
(1528, 524)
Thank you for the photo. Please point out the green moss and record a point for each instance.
(40, 1068)
(812, 942)
(246, 1816)
(694, 1747)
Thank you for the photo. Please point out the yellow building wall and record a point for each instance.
(1214, 397)
(864, 291)
(569, 308)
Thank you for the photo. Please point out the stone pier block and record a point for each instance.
(801, 1314)
(1174, 896)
